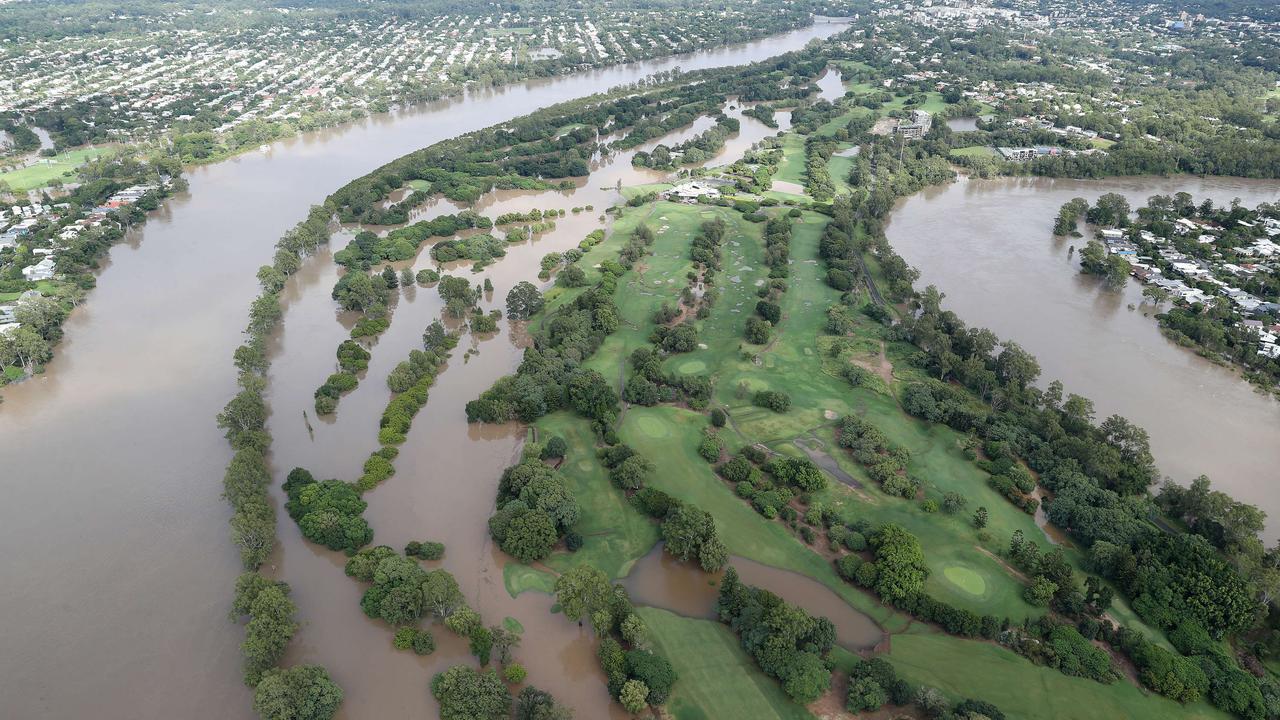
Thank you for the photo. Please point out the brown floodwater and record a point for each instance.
(659, 580)
(988, 244)
(447, 471)
(118, 568)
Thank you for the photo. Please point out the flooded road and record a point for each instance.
(118, 564)
(988, 245)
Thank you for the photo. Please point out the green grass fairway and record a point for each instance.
(59, 167)
(792, 167)
(614, 534)
(653, 428)
(966, 668)
(717, 679)
(839, 167)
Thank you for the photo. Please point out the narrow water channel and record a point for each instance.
(988, 245)
(118, 569)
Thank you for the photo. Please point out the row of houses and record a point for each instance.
(1188, 275)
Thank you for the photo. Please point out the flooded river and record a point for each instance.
(988, 245)
(118, 568)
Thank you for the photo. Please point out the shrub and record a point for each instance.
(425, 550)
(711, 447)
(556, 447)
(774, 400)
(403, 639)
(424, 643)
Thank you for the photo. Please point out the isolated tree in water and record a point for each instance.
(523, 301)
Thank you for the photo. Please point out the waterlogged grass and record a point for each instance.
(682, 473)
(615, 535)
(632, 191)
(518, 578)
(717, 679)
(967, 668)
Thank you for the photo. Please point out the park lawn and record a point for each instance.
(969, 668)
(791, 169)
(974, 151)
(1124, 614)
(849, 67)
(717, 678)
(743, 271)
(58, 167)
(615, 534)
(1102, 143)
(419, 185)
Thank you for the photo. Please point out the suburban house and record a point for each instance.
(42, 270)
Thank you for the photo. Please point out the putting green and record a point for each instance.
(689, 367)
(966, 579)
(652, 427)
